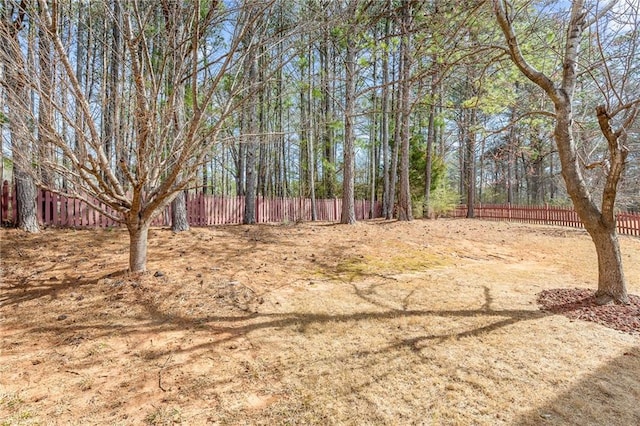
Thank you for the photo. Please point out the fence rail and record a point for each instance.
(202, 210)
(628, 223)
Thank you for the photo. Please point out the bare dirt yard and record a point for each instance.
(430, 322)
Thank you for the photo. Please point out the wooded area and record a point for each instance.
(416, 104)
(129, 128)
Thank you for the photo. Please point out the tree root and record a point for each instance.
(606, 298)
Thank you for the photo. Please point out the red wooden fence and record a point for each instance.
(628, 222)
(202, 210)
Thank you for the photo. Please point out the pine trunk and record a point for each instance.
(470, 166)
(17, 107)
(404, 196)
(384, 132)
(26, 200)
(427, 210)
(179, 221)
(249, 217)
(250, 127)
(348, 179)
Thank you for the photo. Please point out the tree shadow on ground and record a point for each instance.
(25, 290)
(590, 401)
(227, 328)
(146, 315)
(85, 268)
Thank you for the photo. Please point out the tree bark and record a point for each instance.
(428, 211)
(174, 32)
(249, 217)
(251, 126)
(348, 190)
(404, 196)
(138, 234)
(470, 163)
(384, 129)
(45, 112)
(26, 200)
(329, 163)
(610, 271)
(18, 108)
(179, 221)
(310, 150)
(394, 160)
(511, 161)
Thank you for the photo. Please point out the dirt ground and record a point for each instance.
(430, 322)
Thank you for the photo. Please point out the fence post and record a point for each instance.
(546, 213)
(258, 207)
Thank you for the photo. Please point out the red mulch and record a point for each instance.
(581, 304)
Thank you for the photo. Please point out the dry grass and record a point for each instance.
(431, 322)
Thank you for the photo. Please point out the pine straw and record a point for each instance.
(432, 322)
(580, 303)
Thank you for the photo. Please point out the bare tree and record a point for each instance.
(157, 156)
(615, 117)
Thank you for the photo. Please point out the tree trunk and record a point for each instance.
(174, 31)
(384, 131)
(303, 167)
(45, 112)
(179, 222)
(312, 178)
(394, 163)
(511, 161)
(249, 217)
(373, 144)
(311, 161)
(428, 211)
(404, 196)
(537, 187)
(138, 234)
(81, 64)
(251, 127)
(329, 158)
(610, 271)
(26, 199)
(17, 98)
(470, 165)
(601, 228)
(240, 168)
(394, 107)
(348, 190)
